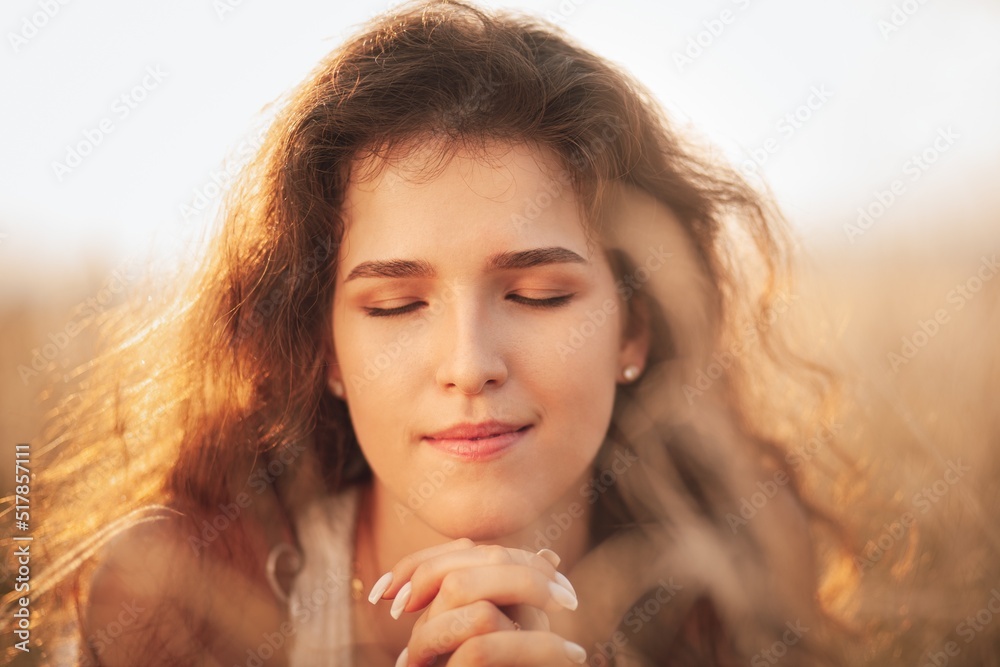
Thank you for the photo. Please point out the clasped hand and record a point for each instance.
(481, 605)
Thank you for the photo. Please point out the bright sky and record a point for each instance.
(158, 93)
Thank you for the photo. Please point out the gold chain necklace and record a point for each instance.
(361, 521)
(295, 563)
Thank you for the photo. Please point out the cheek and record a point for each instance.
(368, 371)
(367, 362)
(582, 372)
(586, 396)
(588, 346)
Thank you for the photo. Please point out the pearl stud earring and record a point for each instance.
(630, 372)
(337, 387)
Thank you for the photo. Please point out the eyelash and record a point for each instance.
(553, 302)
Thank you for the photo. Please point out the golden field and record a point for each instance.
(913, 335)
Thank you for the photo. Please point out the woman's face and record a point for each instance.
(470, 299)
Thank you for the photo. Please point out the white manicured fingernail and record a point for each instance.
(402, 597)
(551, 556)
(575, 653)
(378, 590)
(561, 578)
(403, 658)
(563, 596)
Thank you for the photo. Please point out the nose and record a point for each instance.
(471, 341)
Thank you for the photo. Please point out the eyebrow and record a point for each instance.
(503, 261)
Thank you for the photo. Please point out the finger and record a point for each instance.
(389, 584)
(527, 617)
(551, 556)
(426, 578)
(518, 649)
(447, 631)
(500, 584)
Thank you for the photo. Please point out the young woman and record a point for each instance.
(481, 368)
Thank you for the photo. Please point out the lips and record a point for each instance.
(475, 432)
(487, 442)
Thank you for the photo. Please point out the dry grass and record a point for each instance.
(902, 427)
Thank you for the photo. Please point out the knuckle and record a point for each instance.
(474, 652)
(464, 623)
(425, 655)
(451, 586)
(465, 542)
(484, 617)
(407, 563)
(420, 576)
(495, 554)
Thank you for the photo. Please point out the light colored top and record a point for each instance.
(320, 603)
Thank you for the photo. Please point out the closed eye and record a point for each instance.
(391, 312)
(552, 302)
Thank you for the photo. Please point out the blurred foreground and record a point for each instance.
(914, 337)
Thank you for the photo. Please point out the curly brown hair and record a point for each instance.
(213, 401)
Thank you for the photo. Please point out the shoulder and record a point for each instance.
(157, 596)
(135, 608)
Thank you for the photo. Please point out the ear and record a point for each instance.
(637, 333)
(335, 381)
(334, 376)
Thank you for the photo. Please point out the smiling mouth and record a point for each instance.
(473, 432)
(483, 448)
(485, 437)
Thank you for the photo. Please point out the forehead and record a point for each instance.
(453, 203)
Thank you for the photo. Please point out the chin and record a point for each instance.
(486, 519)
